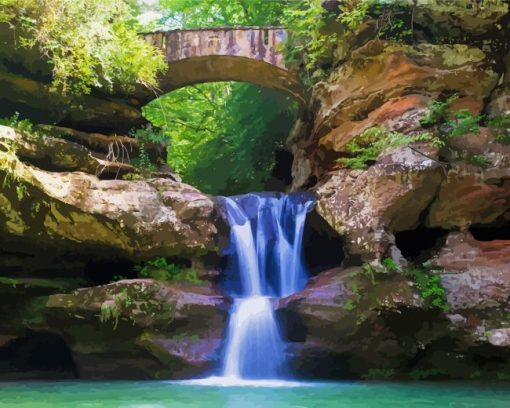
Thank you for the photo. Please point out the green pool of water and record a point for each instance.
(160, 394)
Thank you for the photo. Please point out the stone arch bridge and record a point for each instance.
(247, 54)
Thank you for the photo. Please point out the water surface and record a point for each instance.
(161, 394)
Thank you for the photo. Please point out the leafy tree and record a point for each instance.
(217, 13)
(224, 135)
(88, 43)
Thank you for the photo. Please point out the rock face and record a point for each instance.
(133, 219)
(414, 204)
(366, 206)
(389, 85)
(349, 323)
(140, 328)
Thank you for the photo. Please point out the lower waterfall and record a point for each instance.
(265, 262)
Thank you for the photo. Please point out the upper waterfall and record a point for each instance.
(265, 261)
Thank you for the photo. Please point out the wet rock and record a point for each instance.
(174, 330)
(500, 337)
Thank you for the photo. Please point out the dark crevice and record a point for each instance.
(37, 355)
(498, 230)
(46, 164)
(322, 245)
(281, 176)
(420, 244)
(103, 271)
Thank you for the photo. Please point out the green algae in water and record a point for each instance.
(161, 394)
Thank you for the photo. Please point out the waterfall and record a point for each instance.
(265, 262)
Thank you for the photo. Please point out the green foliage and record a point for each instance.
(390, 265)
(478, 160)
(112, 309)
(159, 269)
(370, 272)
(394, 19)
(233, 128)
(462, 123)
(352, 303)
(309, 42)
(365, 148)
(146, 136)
(222, 13)
(500, 125)
(502, 376)
(450, 124)
(349, 305)
(424, 374)
(438, 111)
(23, 126)
(88, 43)
(380, 374)
(428, 282)
(150, 135)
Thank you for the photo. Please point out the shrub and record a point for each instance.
(88, 43)
(437, 112)
(500, 125)
(159, 269)
(365, 148)
(428, 283)
(478, 160)
(23, 126)
(146, 136)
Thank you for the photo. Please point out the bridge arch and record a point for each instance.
(245, 54)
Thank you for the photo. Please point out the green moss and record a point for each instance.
(193, 338)
(379, 374)
(502, 376)
(110, 312)
(9, 281)
(425, 374)
(349, 305)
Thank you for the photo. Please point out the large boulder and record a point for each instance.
(141, 328)
(366, 207)
(76, 211)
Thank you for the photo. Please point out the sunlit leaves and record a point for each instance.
(88, 43)
(223, 135)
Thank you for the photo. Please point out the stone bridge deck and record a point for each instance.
(248, 54)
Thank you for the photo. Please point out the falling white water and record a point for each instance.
(266, 241)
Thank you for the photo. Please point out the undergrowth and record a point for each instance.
(160, 269)
(442, 125)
